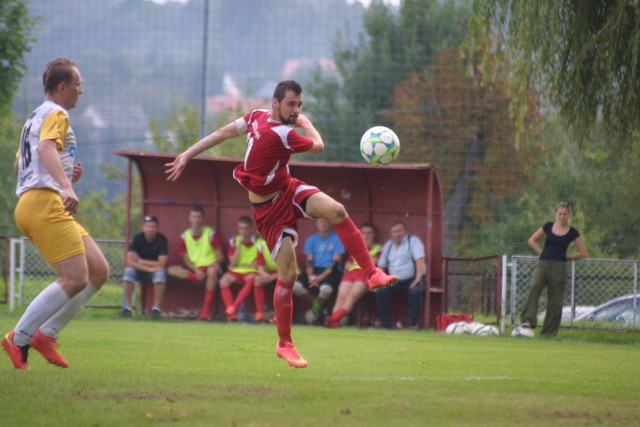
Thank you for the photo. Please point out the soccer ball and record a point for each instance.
(379, 146)
(487, 331)
(522, 332)
(309, 316)
(472, 327)
(457, 328)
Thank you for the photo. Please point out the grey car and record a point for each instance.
(623, 310)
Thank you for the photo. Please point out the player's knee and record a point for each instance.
(98, 276)
(325, 291)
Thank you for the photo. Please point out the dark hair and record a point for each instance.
(150, 218)
(282, 88)
(371, 226)
(58, 70)
(197, 208)
(394, 223)
(245, 220)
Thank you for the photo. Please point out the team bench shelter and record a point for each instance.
(379, 195)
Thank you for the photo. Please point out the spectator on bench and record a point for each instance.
(323, 251)
(202, 258)
(354, 281)
(243, 252)
(146, 260)
(403, 256)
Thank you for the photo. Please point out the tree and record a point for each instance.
(461, 127)
(583, 55)
(395, 43)
(15, 41)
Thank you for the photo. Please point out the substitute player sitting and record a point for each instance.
(353, 285)
(278, 199)
(243, 252)
(202, 256)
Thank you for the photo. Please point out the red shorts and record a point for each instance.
(281, 214)
(239, 277)
(353, 276)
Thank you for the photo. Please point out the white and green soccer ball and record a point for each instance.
(522, 332)
(457, 328)
(486, 331)
(379, 146)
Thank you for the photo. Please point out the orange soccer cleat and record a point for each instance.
(17, 354)
(48, 347)
(380, 279)
(290, 355)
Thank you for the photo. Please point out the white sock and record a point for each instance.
(58, 321)
(45, 305)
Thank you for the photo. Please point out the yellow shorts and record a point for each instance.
(40, 216)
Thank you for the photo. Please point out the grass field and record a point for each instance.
(136, 372)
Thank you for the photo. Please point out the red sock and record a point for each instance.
(339, 314)
(355, 245)
(244, 293)
(283, 304)
(227, 296)
(206, 306)
(258, 297)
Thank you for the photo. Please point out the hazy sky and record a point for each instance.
(364, 2)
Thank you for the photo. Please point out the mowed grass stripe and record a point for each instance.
(136, 372)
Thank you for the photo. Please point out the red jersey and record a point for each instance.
(270, 144)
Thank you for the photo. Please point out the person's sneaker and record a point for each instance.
(156, 313)
(17, 354)
(125, 313)
(273, 320)
(380, 279)
(231, 314)
(330, 322)
(290, 355)
(259, 318)
(48, 347)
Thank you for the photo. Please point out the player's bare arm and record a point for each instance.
(176, 167)
(48, 153)
(310, 131)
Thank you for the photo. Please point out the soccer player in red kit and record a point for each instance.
(278, 199)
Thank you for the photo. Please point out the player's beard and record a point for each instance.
(291, 120)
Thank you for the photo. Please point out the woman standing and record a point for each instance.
(550, 270)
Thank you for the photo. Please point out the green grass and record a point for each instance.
(136, 373)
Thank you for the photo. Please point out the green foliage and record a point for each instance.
(179, 131)
(585, 56)
(9, 140)
(393, 45)
(15, 41)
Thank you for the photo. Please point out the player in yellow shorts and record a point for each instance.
(46, 170)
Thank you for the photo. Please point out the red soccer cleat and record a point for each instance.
(231, 314)
(330, 322)
(290, 355)
(17, 354)
(380, 279)
(48, 347)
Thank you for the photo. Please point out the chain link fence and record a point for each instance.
(600, 293)
(473, 286)
(29, 273)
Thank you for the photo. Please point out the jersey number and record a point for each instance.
(25, 147)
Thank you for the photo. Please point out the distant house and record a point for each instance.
(230, 104)
(122, 120)
(294, 67)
